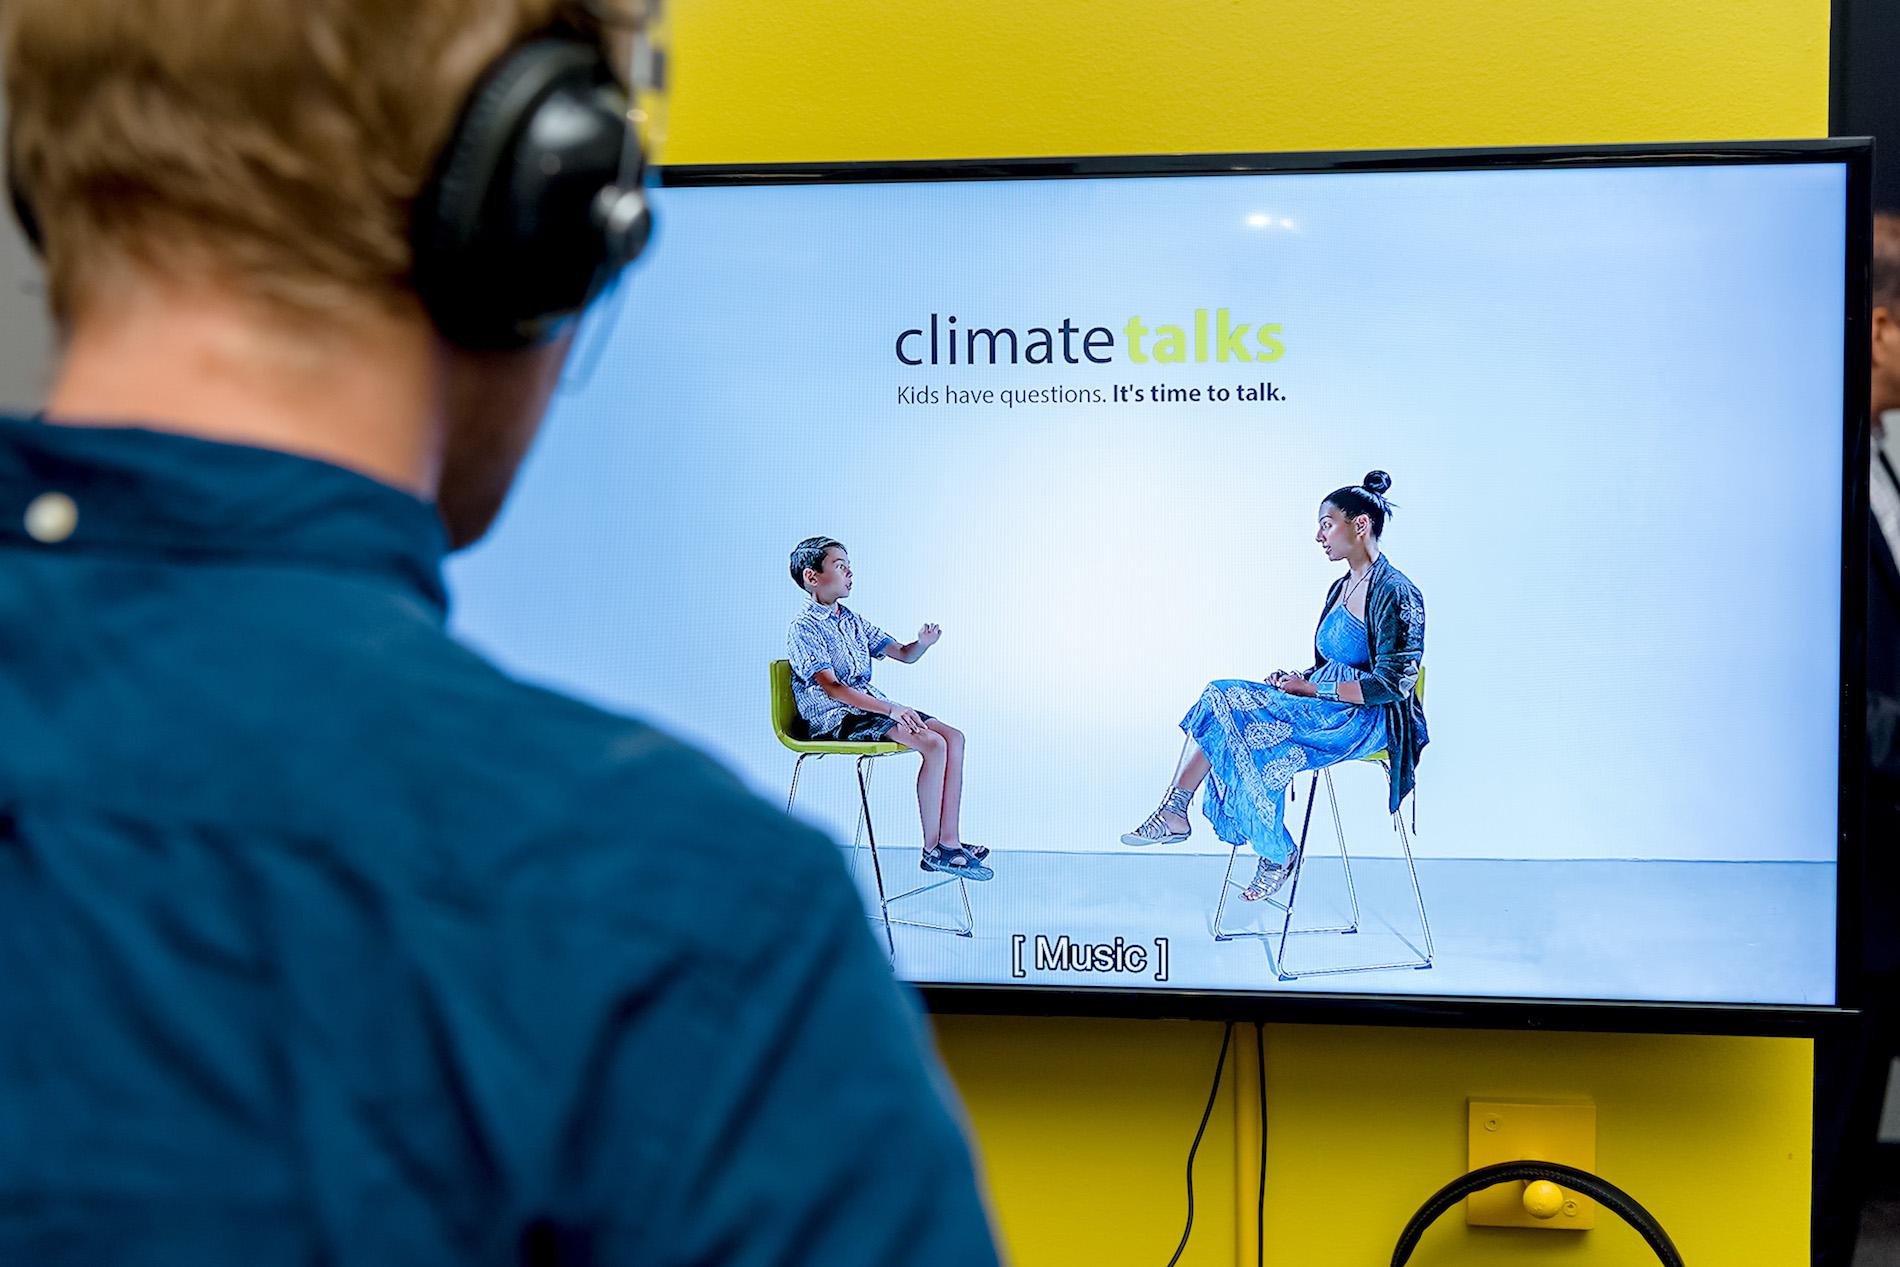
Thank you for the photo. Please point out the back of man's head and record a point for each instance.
(225, 192)
(273, 148)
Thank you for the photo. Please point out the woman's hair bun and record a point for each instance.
(1376, 482)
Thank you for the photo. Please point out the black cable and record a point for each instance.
(1260, 1200)
(1226, 1036)
(1601, 1190)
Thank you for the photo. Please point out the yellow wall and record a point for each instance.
(857, 79)
(1085, 1124)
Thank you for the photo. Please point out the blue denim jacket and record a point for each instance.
(323, 941)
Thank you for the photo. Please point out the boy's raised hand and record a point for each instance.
(928, 635)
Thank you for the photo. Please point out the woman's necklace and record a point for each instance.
(1352, 586)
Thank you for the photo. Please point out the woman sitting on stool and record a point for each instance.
(1255, 737)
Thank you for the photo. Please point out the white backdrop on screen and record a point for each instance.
(1609, 401)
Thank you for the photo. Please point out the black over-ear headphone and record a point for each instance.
(22, 209)
(1599, 1189)
(536, 202)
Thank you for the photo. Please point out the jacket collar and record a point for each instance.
(154, 493)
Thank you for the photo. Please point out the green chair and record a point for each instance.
(1423, 958)
(793, 733)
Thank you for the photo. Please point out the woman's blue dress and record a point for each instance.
(1257, 739)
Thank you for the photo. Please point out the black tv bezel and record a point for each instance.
(1461, 1011)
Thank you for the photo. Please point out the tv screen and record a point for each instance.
(1247, 583)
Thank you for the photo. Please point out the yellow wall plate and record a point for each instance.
(1565, 1133)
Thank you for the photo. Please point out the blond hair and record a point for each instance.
(277, 145)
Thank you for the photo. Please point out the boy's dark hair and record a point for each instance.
(810, 553)
(1366, 498)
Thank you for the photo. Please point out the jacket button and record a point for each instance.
(51, 518)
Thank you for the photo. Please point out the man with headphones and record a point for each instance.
(321, 940)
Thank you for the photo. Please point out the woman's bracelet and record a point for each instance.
(1327, 690)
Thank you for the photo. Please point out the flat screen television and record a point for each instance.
(1081, 425)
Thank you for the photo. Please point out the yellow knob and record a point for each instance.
(1543, 1199)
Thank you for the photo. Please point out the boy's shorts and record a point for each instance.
(860, 728)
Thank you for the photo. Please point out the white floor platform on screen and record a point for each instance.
(1688, 931)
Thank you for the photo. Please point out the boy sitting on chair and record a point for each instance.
(831, 648)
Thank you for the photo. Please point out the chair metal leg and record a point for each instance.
(1282, 936)
(1226, 883)
(883, 903)
(857, 831)
(796, 767)
(1345, 858)
(965, 929)
(1345, 864)
(857, 826)
(1299, 865)
(1418, 894)
(1424, 959)
(1221, 933)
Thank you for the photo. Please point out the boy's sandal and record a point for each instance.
(953, 862)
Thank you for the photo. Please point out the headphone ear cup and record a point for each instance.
(536, 201)
(23, 213)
